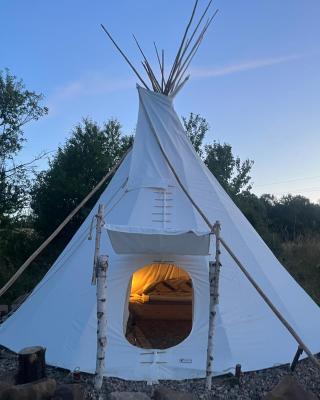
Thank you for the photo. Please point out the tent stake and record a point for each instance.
(214, 274)
(237, 372)
(100, 267)
(271, 305)
(296, 359)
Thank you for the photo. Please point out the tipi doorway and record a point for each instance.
(160, 306)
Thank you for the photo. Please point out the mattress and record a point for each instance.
(175, 290)
(169, 299)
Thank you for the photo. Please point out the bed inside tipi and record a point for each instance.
(160, 306)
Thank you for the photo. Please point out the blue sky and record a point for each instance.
(256, 78)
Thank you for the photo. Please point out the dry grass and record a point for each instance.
(302, 259)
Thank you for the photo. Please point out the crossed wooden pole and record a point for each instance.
(214, 272)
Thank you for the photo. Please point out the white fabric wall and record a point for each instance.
(127, 361)
(60, 314)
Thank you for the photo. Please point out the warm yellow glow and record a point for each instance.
(154, 273)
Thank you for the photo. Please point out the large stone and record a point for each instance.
(289, 389)
(4, 385)
(164, 393)
(4, 308)
(72, 391)
(7, 379)
(128, 396)
(39, 390)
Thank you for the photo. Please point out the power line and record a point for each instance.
(289, 180)
(311, 189)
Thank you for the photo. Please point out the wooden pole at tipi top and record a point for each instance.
(214, 274)
(100, 265)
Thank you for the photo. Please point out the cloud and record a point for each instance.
(203, 73)
(90, 85)
(95, 83)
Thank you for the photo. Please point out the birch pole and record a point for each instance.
(214, 275)
(274, 309)
(99, 278)
(99, 218)
(102, 267)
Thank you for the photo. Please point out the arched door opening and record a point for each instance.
(160, 307)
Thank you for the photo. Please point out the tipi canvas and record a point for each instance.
(150, 221)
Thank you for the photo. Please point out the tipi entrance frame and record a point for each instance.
(220, 241)
(214, 274)
(214, 279)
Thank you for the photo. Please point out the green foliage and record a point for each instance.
(17, 241)
(74, 171)
(13, 193)
(290, 225)
(292, 216)
(196, 128)
(18, 106)
(302, 259)
(231, 172)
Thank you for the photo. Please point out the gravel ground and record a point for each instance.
(252, 385)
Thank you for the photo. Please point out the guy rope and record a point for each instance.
(34, 255)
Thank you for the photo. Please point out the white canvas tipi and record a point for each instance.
(159, 209)
(60, 313)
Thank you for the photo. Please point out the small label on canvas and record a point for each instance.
(186, 360)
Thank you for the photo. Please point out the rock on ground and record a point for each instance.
(289, 389)
(72, 391)
(128, 396)
(39, 390)
(164, 393)
(251, 386)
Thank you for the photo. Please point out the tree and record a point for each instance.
(76, 169)
(292, 216)
(18, 107)
(231, 172)
(196, 128)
